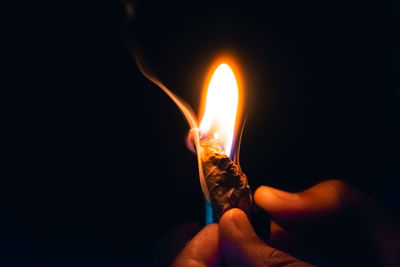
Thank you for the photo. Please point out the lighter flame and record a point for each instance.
(221, 106)
(218, 123)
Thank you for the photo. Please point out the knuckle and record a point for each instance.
(277, 258)
(338, 184)
(341, 192)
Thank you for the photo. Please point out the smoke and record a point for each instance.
(188, 114)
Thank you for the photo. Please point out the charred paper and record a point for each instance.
(226, 183)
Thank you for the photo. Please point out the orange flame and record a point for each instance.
(220, 116)
(221, 107)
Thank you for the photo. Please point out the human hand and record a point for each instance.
(233, 242)
(202, 250)
(330, 223)
(310, 219)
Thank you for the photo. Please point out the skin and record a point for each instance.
(202, 250)
(331, 210)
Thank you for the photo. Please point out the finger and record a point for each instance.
(323, 199)
(202, 250)
(241, 246)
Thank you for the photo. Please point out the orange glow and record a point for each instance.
(221, 109)
(218, 122)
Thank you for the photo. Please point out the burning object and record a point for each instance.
(223, 183)
(226, 183)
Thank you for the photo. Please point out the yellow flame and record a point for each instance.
(220, 108)
(219, 116)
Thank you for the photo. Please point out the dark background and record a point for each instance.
(95, 168)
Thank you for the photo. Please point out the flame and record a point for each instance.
(219, 117)
(220, 108)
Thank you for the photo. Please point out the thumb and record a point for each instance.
(241, 246)
(202, 250)
(323, 199)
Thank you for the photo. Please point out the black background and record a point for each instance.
(95, 169)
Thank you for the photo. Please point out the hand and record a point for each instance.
(324, 214)
(202, 250)
(330, 223)
(234, 242)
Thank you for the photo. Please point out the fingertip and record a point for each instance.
(228, 218)
(232, 215)
(267, 197)
(261, 195)
(234, 224)
(233, 212)
(325, 198)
